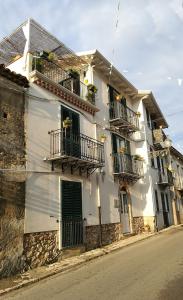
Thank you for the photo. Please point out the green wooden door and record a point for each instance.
(72, 223)
(71, 135)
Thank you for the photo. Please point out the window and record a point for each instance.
(148, 116)
(167, 202)
(152, 158)
(157, 201)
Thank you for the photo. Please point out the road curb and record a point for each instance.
(82, 259)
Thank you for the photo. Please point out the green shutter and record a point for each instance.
(71, 200)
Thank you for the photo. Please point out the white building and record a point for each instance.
(80, 190)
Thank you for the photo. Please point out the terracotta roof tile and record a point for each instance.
(14, 77)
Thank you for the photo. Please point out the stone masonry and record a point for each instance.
(110, 233)
(12, 186)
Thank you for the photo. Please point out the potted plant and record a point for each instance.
(103, 138)
(92, 90)
(122, 150)
(44, 54)
(138, 114)
(67, 123)
(73, 74)
(52, 56)
(138, 157)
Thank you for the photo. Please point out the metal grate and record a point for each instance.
(125, 163)
(72, 233)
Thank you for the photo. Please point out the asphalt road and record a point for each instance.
(150, 269)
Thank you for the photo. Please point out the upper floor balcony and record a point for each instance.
(178, 182)
(123, 117)
(64, 83)
(165, 178)
(127, 167)
(77, 152)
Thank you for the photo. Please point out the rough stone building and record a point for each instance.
(12, 157)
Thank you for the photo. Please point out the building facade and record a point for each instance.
(95, 170)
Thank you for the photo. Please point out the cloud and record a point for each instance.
(148, 40)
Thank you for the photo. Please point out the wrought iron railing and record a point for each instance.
(125, 163)
(72, 232)
(55, 73)
(165, 177)
(123, 112)
(64, 143)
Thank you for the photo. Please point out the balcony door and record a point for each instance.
(71, 143)
(118, 108)
(123, 159)
(165, 210)
(125, 218)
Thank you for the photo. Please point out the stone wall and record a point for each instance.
(12, 185)
(138, 225)
(109, 234)
(40, 248)
(143, 224)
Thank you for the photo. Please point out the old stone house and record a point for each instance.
(12, 157)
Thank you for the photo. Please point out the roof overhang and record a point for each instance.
(102, 65)
(153, 107)
(176, 153)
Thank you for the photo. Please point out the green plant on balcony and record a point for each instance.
(138, 157)
(67, 123)
(52, 56)
(74, 74)
(91, 91)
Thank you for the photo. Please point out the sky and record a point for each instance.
(147, 46)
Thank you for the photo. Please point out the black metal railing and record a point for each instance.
(72, 232)
(125, 163)
(120, 111)
(55, 73)
(64, 143)
(165, 177)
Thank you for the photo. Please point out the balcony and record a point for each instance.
(123, 117)
(178, 183)
(165, 179)
(51, 76)
(127, 168)
(75, 152)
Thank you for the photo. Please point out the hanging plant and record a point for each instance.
(122, 150)
(37, 64)
(138, 157)
(92, 90)
(103, 138)
(67, 123)
(138, 114)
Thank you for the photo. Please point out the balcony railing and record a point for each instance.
(55, 73)
(165, 178)
(125, 164)
(122, 116)
(79, 148)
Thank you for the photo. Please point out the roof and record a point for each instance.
(14, 77)
(31, 36)
(153, 107)
(176, 153)
(101, 64)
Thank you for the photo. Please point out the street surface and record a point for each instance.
(149, 270)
